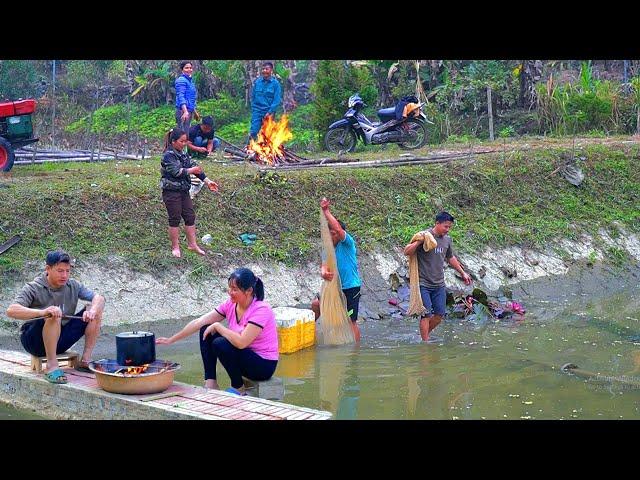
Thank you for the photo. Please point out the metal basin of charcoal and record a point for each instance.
(154, 377)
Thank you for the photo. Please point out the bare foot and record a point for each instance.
(176, 252)
(211, 384)
(197, 249)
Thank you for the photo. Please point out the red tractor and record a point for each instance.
(16, 129)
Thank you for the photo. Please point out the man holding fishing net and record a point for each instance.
(427, 252)
(347, 266)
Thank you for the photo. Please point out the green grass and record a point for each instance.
(500, 200)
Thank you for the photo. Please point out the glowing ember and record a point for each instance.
(268, 148)
(135, 370)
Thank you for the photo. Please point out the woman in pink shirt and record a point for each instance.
(248, 345)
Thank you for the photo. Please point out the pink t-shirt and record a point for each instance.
(259, 313)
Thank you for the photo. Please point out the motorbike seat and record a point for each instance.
(387, 113)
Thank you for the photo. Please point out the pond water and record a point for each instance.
(495, 370)
(8, 412)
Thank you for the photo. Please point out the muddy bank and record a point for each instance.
(134, 297)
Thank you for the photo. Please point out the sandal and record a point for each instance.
(83, 367)
(235, 391)
(56, 376)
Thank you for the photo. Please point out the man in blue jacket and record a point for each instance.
(186, 95)
(265, 98)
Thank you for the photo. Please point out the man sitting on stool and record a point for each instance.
(44, 303)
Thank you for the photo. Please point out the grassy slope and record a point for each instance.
(500, 200)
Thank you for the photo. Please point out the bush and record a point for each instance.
(507, 132)
(236, 133)
(154, 123)
(224, 110)
(335, 83)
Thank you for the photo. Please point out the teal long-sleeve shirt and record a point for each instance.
(266, 96)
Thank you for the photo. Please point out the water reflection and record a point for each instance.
(494, 370)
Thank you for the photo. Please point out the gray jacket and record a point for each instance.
(38, 294)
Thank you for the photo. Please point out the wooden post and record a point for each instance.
(490, 111)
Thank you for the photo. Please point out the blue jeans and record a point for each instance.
(434, 300)
(202, 142)
(256, 122)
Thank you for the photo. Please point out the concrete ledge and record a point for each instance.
(81, 398)
(272, 389)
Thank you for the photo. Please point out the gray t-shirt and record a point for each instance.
(431, 264)
(38, 294)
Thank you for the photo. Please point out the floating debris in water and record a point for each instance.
(514, 395)
(528, 402)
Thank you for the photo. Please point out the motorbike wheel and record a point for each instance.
(340, 139)
(421, 135)
(6, 155)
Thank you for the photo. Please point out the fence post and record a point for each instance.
(490, 111)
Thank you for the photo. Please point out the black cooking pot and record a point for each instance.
(136, 348)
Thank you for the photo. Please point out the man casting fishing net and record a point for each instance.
(340, 295)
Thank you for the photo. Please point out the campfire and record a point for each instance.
(268, 148)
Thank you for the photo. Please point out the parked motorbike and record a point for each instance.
(408, 132)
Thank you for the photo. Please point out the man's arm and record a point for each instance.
(195, 148)
(453, 261)
(331, 220)
(325, 273)
(277, 98)
(95, 309)
(253, 93)
(411, 248)
(20, 312)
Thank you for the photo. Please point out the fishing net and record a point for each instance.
(334, 325)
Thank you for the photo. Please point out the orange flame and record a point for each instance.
(136, 370)
(268, 147)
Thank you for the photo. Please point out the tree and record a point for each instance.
(530, 73)
(23, 78)
(490, 75)
(635, 85)
(155, 81)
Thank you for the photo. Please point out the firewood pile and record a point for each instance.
(244, 154)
